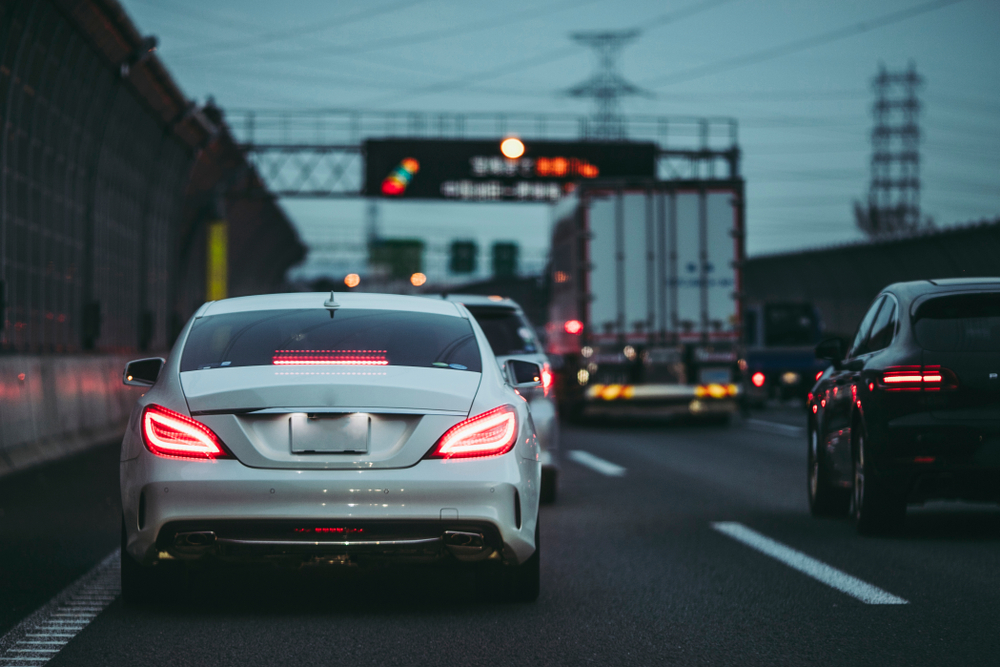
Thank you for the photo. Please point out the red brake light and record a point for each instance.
(490, 434)
(916, 378)
(818, 374)
(574, 327)
(546, 378)
(172, 435)
(757, 379)
(329, 358)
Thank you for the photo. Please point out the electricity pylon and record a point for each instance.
(606, 86)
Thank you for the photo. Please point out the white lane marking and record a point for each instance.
(594, 463)
(63, 617)
(775, 427)
(808, 565)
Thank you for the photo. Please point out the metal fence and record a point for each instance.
(99, 201)
(91, 181)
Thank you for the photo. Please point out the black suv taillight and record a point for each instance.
(918, 378)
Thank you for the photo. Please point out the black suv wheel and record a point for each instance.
(877, 510)
(825, 499)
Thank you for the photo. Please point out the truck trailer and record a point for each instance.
(645, 311)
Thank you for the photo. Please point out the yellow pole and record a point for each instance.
(217, 268)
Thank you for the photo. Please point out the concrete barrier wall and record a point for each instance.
(55, 405)
(842, 281)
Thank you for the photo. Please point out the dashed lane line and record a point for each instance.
(595, 463)
(39, 637)
(807, 565)
(775, 427)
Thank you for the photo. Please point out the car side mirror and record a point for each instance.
(142, 372)
(831, 349)
(523, 374)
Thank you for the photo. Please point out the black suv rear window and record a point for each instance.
(345, 337)
(961, 322)
(507, 332)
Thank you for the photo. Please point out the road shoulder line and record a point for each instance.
(596, 463)
(98, 588)
(807, 565)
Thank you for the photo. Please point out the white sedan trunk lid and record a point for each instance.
(263, 414)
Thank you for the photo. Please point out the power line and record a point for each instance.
(983, 106)
(797, 45)
(549, 56)
(255, 41)
(214, 17)
(432, 35)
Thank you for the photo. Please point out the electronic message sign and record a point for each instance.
(501, 170)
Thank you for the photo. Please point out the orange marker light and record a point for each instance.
(352, 280)
(512, 148)
(418, 279)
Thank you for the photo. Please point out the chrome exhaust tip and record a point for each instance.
(200, 538)
(466, 546)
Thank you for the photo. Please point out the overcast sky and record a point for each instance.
(803, 111)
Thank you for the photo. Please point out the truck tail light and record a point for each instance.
(491, 433)
(170, 434)
(574, 327)
(917, 378)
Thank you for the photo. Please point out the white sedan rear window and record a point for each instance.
(344, 337)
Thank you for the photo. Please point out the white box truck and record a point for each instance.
(645, 314)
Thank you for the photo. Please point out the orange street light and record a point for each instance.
(352, 280)
(418, 279)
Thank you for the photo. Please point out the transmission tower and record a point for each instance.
(894, 190)
(606, 86)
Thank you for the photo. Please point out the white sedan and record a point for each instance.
(331, 428)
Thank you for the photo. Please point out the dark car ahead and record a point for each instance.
(911, 411)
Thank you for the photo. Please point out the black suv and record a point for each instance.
(911, 411)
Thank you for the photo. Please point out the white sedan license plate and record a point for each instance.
(326, 434)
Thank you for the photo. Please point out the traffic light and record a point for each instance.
(463, 257)
(401, 257)
(504, 259)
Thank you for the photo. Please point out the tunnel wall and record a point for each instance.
(842, 281)
(108, 176)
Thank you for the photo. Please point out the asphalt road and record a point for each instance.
(633, 573)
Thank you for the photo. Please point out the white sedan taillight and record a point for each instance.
(172, 435)
(491, 433)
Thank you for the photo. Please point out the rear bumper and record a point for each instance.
(659, 400)
(298, 541)
(497, 498)
(934, 459)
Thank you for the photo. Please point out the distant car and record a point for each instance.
(319, 428)
(911, 411)
(512, 336)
